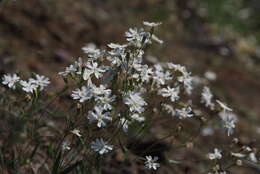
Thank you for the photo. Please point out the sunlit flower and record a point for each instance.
(10, 80)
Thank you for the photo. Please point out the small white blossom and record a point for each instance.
(29, 86)
(10, 80)
(146, 73)
(206, 97)
(92, 51)
(215, 155)
(151, 163)
(187, 80)
(100, 116)
(135, 36)
(229, 121)
(92, 68)
(40, 81)
(160, 76)
(173, 93)
(137, 117)
(101, 146)
(69, 70)
(82, 94)
(177, 67)
(135, 102)
(185, 112)
(105, 101)
(101, 90)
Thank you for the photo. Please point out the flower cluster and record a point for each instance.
(31, 85)
(113, 88)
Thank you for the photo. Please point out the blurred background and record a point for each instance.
(216, 38)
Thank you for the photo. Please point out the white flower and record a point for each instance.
(186, 79)
(206, 97)
(82, 94)
(76, 132)
(177, 67)
(229, 121)
(92, 68)
(101, 90)
(10, 80)
(146, 73)
(160, 77)
(69, 70)
(151, 163)
(173, 93)
(215, 155)
(92, 51)
(105, 101)
(137, 117)
(101, 146)
(185, 112)
(40, 81)
(135, 102)
(99, 116)
(152, 24)
(135, 36)
(28, 87)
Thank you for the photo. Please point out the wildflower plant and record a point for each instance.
(115, 96)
